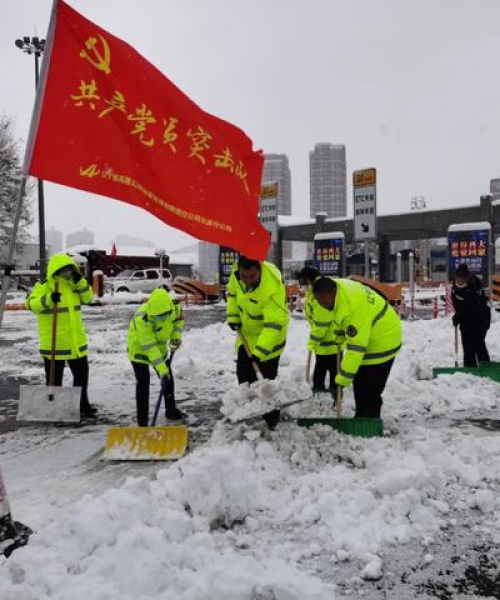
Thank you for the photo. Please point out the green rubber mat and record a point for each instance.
(358, 427)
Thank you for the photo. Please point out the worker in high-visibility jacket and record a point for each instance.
(348, 312)
(154, 332)
(256, 305)
(72, 292)
(325, 351)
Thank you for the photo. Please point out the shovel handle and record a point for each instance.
(456, 346)
(52, 376)
(158, 402)
(339, 390)
(255, 366)
(308, 366)
(157, 409)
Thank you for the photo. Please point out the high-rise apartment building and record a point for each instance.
(328, 180)
(276, 168)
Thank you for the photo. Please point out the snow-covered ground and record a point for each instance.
(248, 514)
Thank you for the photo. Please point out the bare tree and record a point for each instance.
(10, 174)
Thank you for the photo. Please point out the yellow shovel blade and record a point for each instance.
(146, 443)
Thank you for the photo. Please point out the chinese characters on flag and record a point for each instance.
(112, 124)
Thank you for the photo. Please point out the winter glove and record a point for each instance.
(234, 326)
(175, 344)
(55, 297)
(77, 276)
(342, 381)
(456, 320)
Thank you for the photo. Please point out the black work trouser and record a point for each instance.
(79, 369)
(142, 378)
(246, 374)
(324, 364)
(474, 345)
(369, 384)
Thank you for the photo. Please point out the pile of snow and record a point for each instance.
(153, 539)
(263, 396)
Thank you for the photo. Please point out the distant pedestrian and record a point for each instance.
(472, 315)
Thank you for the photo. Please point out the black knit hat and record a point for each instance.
(462, 271)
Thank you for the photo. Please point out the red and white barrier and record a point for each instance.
(448, 305)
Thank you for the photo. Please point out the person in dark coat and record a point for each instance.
(472, 314)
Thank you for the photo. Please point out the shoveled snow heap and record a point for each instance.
(156, 540)
(263, 396)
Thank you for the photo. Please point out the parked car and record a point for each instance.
(139, 280)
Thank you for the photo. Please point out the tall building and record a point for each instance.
(276, 168)
(54, 239)
(82, 237)
(328, 177)
(208, 261)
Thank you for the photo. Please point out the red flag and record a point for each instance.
(110, 123)
(113, 252)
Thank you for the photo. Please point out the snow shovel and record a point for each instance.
(357, 427)
(260, 377)
(50, 403)
(166, 442)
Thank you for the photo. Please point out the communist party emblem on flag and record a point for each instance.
(110, 123)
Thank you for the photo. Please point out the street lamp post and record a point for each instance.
(36, 46)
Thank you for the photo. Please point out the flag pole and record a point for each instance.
(35, 119)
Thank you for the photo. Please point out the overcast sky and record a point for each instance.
(410, 87)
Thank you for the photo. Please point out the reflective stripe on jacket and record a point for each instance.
(262, 312)
(332, 340)
(363, 322)
(71, 339)
(148, 336)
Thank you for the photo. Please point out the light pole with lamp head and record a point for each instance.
(36, 46)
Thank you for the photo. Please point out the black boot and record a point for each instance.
(88, 410)
(12, 535)
(174, 414)
(272, 418)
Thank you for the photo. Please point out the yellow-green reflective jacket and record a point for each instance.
(308, 298)
(71, 339)
(148, 336)
(331, 344)
(363, 322)
(262, 313)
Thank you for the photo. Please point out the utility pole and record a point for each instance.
(36, 46)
